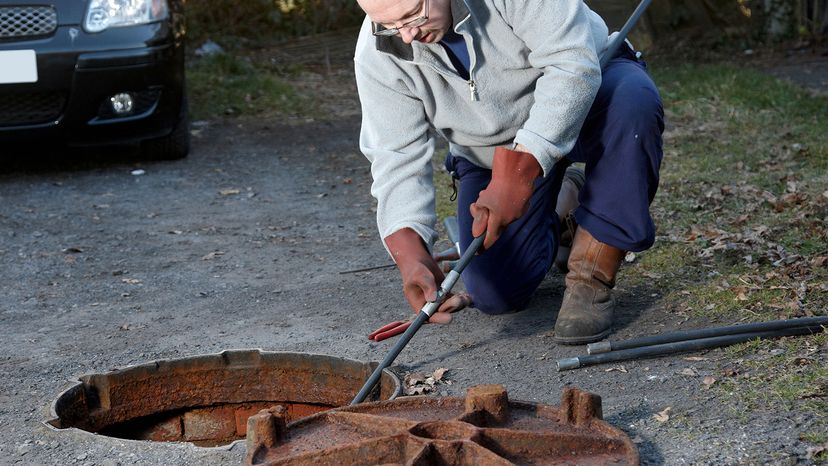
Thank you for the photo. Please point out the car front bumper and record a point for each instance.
(78, 72)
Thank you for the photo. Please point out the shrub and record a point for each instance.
(274, 19)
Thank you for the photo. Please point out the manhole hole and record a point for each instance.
(206, 400)
(482, 429)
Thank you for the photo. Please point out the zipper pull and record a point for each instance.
(473, 91)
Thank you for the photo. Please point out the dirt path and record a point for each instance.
(807, 68)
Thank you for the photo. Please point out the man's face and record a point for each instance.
(395, 13)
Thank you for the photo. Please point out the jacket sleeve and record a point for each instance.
(561, 36)
(396, 140)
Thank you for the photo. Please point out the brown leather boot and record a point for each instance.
(571, 185)
(587, 308)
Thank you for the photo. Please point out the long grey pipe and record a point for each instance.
(685, 335)
(681, 346)
(625, 30)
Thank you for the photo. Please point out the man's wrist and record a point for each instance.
(405, 244)
(515, 163)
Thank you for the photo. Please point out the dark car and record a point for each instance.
(94, 72)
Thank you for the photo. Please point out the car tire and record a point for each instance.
(175, 145)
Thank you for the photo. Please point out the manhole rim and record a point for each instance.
(77, 380)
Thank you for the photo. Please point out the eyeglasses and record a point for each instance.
(380, 30)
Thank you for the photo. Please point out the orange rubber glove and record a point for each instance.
(506, 198)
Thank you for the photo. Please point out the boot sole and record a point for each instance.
(582, 340)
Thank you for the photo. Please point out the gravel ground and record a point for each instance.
(302, 214)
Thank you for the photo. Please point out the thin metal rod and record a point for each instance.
(426, 312)
(684, 335)
(368, 269)
(619, 39)
(679, 347)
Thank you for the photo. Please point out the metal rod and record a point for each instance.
(619, 39)
(680, 346)
(453, 232)
(427, 311)
(607, 346)
(368, 269)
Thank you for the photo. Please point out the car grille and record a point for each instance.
(27, 21)
(30, 108)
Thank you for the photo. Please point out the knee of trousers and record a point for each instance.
(641, 112)
(496, 295)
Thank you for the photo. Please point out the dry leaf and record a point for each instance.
(414, 378)
(439, 373)
(813, 452)
(689, 371)
(664, 415)
(708, 381)
(695, 358)
(229, 192)
(618, 368)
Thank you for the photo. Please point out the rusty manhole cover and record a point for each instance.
(207, 399)
(484, 428)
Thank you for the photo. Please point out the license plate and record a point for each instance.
(18, 66)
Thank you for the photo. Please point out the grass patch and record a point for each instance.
(742, 213)
(785, 374)
(225, 84)
(817, 438)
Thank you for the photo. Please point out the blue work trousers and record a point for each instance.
(620, 144)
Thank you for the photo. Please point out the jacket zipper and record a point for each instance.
(472, 59)
(473, 90)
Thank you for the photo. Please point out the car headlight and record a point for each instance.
(103, 14)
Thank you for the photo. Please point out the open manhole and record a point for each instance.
(206, 400)
(483, 429)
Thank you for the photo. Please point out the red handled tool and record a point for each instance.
(389, 330)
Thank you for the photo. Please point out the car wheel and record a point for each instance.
(175, 145)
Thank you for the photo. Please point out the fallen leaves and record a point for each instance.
(663, 415)
(229, 192)
(416, 383)
(617, 368)
(708, 381)
(813, 452)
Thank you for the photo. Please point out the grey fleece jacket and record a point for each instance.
(534, 74)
